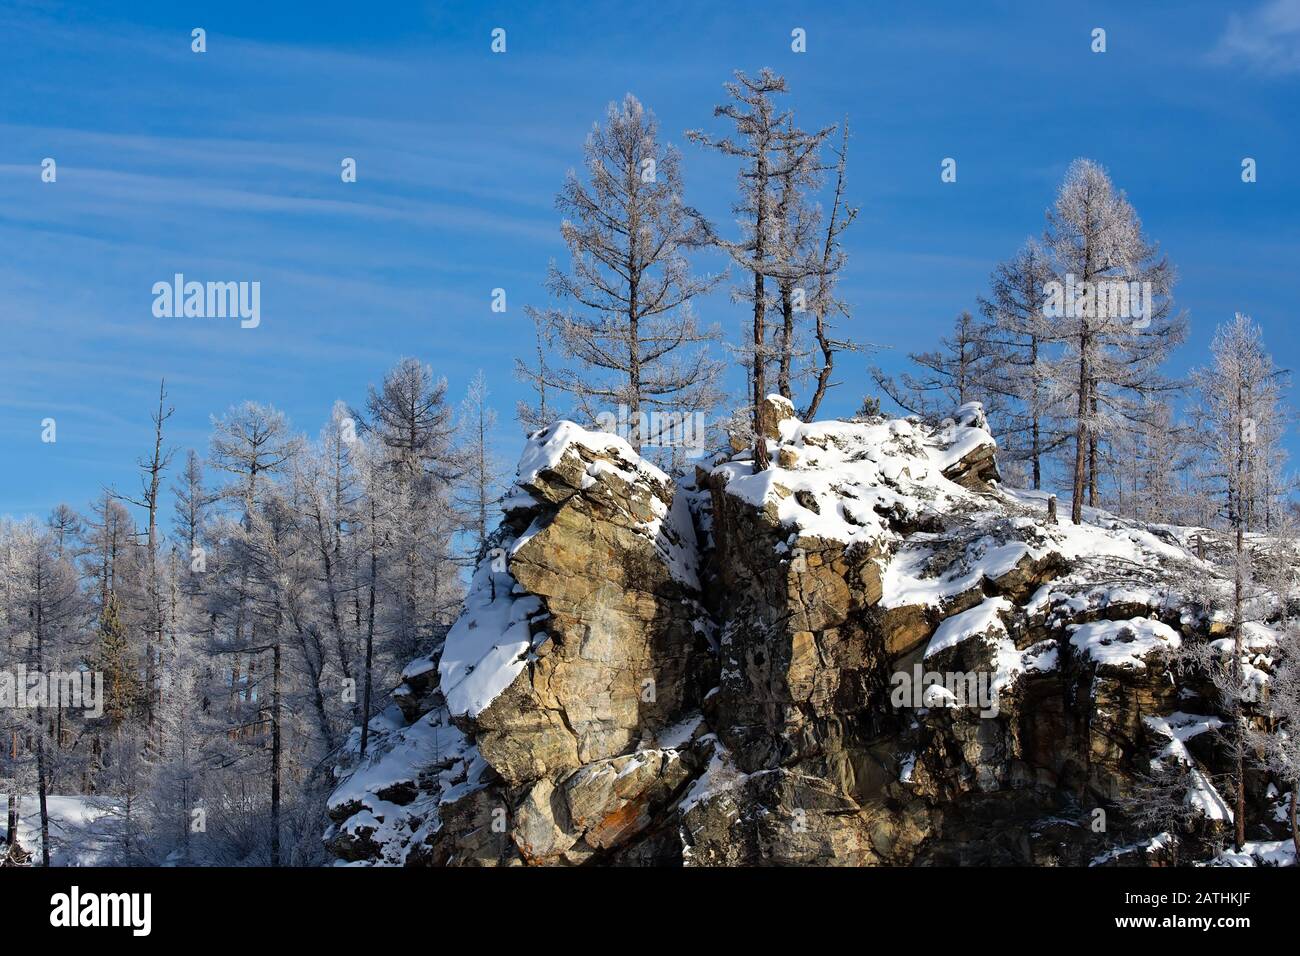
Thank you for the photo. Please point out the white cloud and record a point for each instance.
(1267, 38)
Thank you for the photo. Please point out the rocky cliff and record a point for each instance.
(870, 654)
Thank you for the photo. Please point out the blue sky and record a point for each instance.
(225, 166)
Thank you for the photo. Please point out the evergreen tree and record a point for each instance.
(115, 661)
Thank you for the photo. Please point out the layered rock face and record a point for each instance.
(869, 654)
(545, 729)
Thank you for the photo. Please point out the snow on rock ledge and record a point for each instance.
(630, 693)
(489, 644)
(846, 481)
(582, 642)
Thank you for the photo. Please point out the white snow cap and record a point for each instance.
(1124, 643)
(834, 480)
(546, 448)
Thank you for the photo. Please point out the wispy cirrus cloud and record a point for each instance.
(1266, 39)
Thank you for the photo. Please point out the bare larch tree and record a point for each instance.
(625, 305)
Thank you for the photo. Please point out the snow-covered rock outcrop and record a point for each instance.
(721, 670)
(536, 727)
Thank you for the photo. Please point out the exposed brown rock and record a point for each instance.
(748, 719)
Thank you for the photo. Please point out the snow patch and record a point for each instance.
(1123, 644)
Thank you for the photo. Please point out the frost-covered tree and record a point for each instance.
(1019, 340)
(67, 527)
(1157, 806)
(1110, 306)
(825, 276)
(947, 378)
(53, 604)
(268, 549)
(1239, 421)
(329, 492)
(253, 444)
(419, 459)
(480, 487)
(772, 150)
(108, 553)
(191, 502)
(624, 320)
(1279, 745)
(15, 768)
(796, 228)
(536, 416)
(381, 508)
(152, 470)
(1146, 463)
(301, 583)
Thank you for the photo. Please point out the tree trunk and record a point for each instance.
(787, 341)
(1238, 598)
(1295, 833)
(761, 459)
(370, 643)
(275, 749)
(331, 592)
(824, 373)
(1035, 451)
(40, 730)
(1036, 457)
(1239, 821)
(1080, 434)
(11, 827)
(40, 790)
(634, 355)
(1092, 446)
(823, 301)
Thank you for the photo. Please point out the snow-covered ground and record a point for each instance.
(81, 829)
(1259, 853)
